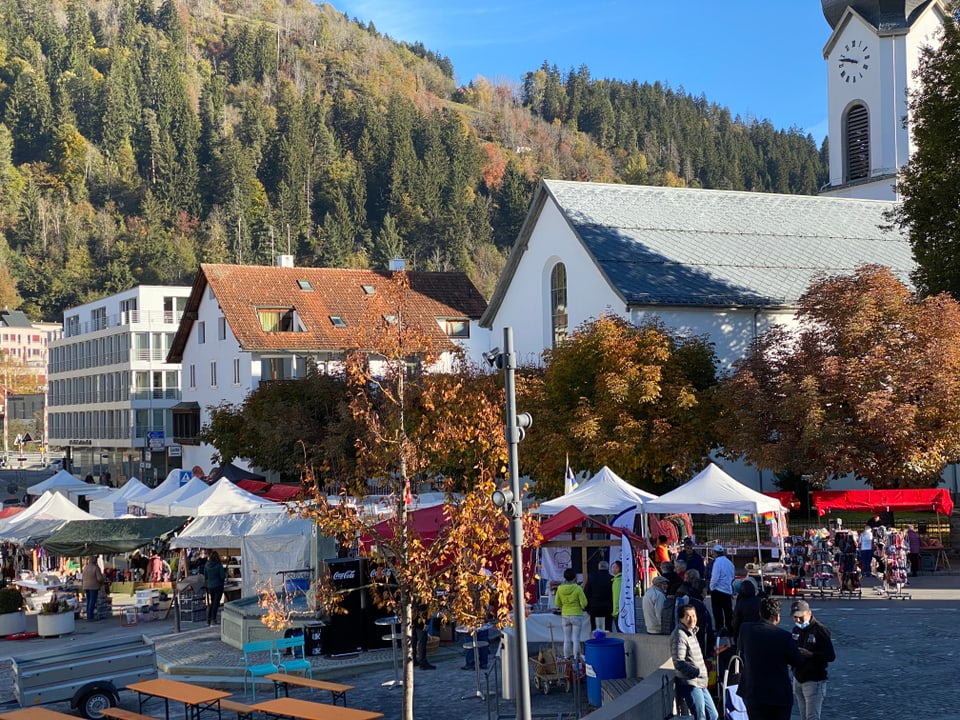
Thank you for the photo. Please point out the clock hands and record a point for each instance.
(849, 60)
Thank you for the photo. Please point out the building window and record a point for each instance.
(73, 325)
(457, 328)
(274, 368)
(193, 376)
(277, 320)
(236, 371)
(213, 374)
(186, 423)
(337, 321)
(558, 303)
(221, 328)
(173, 308)
(98, 318)
(856, 135)
(201, 332)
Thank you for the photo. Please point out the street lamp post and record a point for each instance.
(510, 502)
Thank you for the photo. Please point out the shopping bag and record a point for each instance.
(733, 706)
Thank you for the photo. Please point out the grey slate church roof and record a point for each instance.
(679, 246)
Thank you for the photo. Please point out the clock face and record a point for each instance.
(853, 61)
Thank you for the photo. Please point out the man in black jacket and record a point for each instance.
(767, 651)
(599, 592)
(810, 676)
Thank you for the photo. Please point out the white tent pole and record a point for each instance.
(644, 580)
(756, 521)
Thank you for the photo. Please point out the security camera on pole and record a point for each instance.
(509, 501)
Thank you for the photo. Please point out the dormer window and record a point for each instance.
(305, 285)
(337, 321)
(456, 328)
(279, 320)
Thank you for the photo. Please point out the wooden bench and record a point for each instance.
(120, 714)
(244, 712)
(337, 690)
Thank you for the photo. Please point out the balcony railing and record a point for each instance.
(130, 317)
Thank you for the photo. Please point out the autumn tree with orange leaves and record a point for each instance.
(868, 385)
(416, 424)
(636, 398)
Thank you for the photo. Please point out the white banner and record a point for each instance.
(555, 559)
(624, 520)
(627, 622)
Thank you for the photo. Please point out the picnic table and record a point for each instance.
(307, 710)
(195, 698)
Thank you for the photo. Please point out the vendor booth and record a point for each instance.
(221, 498)
(713, 492)
(62, 481)
(908, 500)
(109, 536)
(40, 520)
(606, 493)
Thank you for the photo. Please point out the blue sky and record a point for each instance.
(760, 58)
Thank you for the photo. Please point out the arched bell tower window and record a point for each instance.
(558, 303)
(856, 136)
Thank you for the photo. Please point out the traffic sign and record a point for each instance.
(155, 439)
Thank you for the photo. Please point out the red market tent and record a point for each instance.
(786, 498)
(257, 487)
(915, 500)
(571, 517)
(282, 493)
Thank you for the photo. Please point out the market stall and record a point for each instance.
(713, 492)
(114, 504)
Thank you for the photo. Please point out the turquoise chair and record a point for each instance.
(297, 661)
(254, 667)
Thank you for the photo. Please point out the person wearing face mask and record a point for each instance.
(810, 676)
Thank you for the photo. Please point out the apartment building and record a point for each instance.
(110, 387)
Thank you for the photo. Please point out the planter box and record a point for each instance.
(13, 623)
(54, 625)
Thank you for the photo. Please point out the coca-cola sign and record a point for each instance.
(345, 575)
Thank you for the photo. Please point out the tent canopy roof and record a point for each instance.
(606, 493)
(109, 535)
(234, 473)
(225, 497)
(571, 517)
(61, 480)
(913, 500)
(228, 530)
(712, 491)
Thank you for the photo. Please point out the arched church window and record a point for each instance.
(857, 138)
(558, 303)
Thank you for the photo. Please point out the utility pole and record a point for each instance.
(510, 502)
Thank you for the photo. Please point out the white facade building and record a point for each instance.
(247, 324)
(110, 387)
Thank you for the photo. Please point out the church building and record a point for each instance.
(729, 264)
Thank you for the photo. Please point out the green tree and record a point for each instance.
(930, 183)
(864, 386)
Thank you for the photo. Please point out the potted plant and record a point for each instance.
(55, 618)
(13, 618)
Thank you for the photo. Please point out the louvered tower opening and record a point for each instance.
(857, 137)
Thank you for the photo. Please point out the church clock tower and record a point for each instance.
(872, 55)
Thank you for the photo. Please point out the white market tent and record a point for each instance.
(713, 492)
(115, 504)
(269, 541)
(606, 493)
(62, 480)
(221, 498)
(161, 505)
(41, 519)
(175, 479)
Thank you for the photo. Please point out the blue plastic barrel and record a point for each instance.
(605, 660)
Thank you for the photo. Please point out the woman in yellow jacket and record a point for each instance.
(572, 602)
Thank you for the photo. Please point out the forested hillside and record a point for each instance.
(140, 138)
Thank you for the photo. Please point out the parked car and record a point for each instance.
(56, 465)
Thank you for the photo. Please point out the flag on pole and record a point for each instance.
(627, 622)
(569, 480)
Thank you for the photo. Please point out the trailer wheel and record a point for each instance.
(95, 701)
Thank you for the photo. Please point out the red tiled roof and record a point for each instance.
(243, 289)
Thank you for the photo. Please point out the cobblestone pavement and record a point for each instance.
(895, 657)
